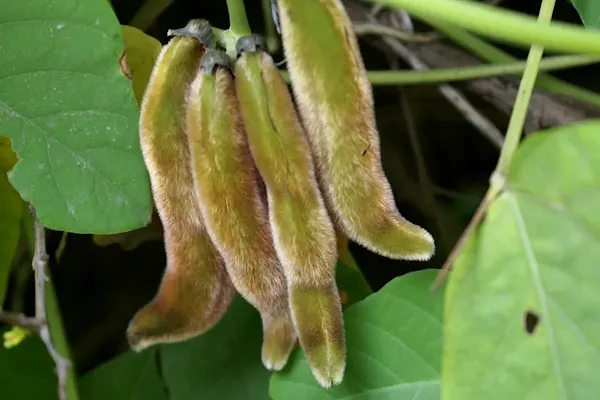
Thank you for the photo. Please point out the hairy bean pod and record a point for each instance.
(195, 290)
(302, 230)
(336, 106)
(235, 215)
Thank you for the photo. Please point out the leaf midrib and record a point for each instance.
(537, 281)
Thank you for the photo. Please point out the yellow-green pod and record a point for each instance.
(336, 105)
(195, 290)
(235, 215)
(302, 230)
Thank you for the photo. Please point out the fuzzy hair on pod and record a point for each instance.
(335, 103)
(227, 187)
(195, 290)
(303, 233)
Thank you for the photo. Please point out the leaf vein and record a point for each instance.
(535, 274)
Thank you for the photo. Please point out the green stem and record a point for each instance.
(52, 312)
(511, 142)
(227, 39)
(519, 114)
(394, 78)
(475, 72)
(238, 22)
(503, 24)
(59, 339)
(492, 54)
(270, 34)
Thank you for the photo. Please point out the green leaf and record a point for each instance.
(71, 115)
(522, 313)
(11, 210)
(224, 363)
(141, 51)
(589, 11)
(394, 340)
(131, 376)
(27, 371)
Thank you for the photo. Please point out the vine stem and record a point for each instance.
(383, 78)
(502, 24)
(519, 114)
(238, 21)
(442, 75)
(273, 43)
(481, 49)
(47, 323)
(513, 136)
(490, 53)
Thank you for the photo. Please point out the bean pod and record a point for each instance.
(236, 216)
(302, 230)
(195, 290)
(336, 105)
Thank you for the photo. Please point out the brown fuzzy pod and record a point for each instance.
(196, 290)
(336, 105)
(235, 215)
(303, 233)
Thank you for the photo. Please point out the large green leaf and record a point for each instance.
(11, 210)
(522, 313)
(27, 371)
(589, 11)
(71, 115)
(132, 376)
(394, 340)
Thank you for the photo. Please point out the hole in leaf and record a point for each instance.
(532, 320)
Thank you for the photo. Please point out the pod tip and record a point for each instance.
(154, 325)
(140, 332)
(318, 318)
(329, 374)
(274, 362)
(423, 246)
(279, 339)
(401, 240)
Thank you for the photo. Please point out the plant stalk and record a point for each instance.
(270, 29)
(502, 24)
(476, 72)
(492, 54)
(238, 21)
(511, 142)
(443, 75)
(519, 114)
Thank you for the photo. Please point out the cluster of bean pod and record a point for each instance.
(250, 188)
